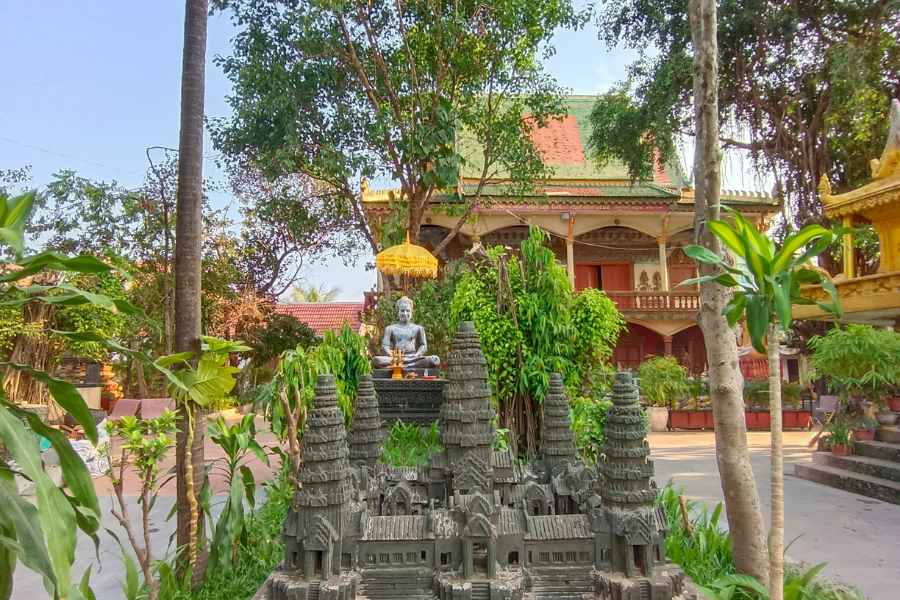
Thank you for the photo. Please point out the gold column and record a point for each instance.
(849, 254)
(570, 250)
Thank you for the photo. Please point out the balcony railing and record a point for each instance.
(656, 301)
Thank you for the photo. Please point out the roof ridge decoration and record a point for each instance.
(889, 163)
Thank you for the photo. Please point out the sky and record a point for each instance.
(89, 85)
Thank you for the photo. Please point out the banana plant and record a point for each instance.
(210, 380)
(766, 282)
(237, 441)
(41, 533)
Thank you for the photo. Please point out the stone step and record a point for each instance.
(882, 450)
(889, 434)
(857, 483)
(875, 467)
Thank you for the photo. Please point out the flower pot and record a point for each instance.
(886, 418)
(840, 449)
(659, 418)
(894, 403)
(863, 435)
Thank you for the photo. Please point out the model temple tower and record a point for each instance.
(637, 525)
(367, 436)
(474, 523)
(467, 430)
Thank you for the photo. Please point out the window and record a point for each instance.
(410, 557)
(544, 557)
(295, 558)
(384, 558)
(513, 558)
(370, 559)
(398, 557)
(424, 555)
(530, 559)
(570, 557)
(584, 557)
(557, 557)
(445, 558)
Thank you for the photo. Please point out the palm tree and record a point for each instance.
(312, 293)
(188, 237)
(766, 283)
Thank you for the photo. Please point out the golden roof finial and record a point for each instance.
(824, 186)
(889, 164)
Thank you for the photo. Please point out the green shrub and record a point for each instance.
(858, 360)
(588, 424)
(409, 445)
(663, 381)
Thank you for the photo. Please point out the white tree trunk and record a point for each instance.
(742, 506)
(776, 531)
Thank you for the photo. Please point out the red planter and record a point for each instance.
(864, 435)
(840, 450)
(758, 419)
(796, 419)
(692, 419)
(894, 404)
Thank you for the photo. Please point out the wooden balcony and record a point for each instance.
(680, 302)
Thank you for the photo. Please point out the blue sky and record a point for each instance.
(88, 85)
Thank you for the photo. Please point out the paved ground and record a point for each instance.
(857, 536)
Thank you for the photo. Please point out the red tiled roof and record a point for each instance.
(324, 316)
(559, 142)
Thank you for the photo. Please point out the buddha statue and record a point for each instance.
(407, 338)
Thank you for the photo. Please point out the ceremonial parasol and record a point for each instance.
(407, 259)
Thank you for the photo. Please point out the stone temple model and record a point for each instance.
(474, 524)
(405, 375)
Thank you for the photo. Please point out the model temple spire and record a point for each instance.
(366, 435)
(557, 439)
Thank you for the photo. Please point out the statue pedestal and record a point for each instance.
(408, 400)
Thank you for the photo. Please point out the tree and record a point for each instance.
(287, 222)
(806, 93)
(767, 284)
(188, 258)
(725, 381)
(312, 293)
(395, 89)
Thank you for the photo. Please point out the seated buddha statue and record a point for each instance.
(407, 338)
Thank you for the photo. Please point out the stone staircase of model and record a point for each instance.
(395, 585)
(560, 584)
(872, 470)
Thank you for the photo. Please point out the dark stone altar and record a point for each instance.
(409, 400)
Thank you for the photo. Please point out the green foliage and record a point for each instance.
(144, 443)
(588, 415)
(840, 431)
(663, 381)
(92, 318)
(858, 359)
(345, 355)
(409, 445)
(236, 441)
(756, 393)
(704, 552)
(531, 324)
(799, 584)
(256, 555)
(802, 99)
(42, 533)
(766, 281)
(278, 334)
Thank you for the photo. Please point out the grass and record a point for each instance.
(408, 445)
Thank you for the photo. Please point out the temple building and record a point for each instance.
(474, 524)
(623, 237)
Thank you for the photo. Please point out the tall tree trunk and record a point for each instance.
(776, 531)
(742, 506)
(188, 238)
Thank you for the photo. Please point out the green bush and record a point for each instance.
(409, 445)
(858, 360)
(663, 381)
(588, 416)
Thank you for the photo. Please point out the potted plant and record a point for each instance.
(861, 363)
(840, 437)
(864, 429)
(663, 381)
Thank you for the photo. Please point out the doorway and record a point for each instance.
(480, 558)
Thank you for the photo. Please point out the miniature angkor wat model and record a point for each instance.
(474, 524)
